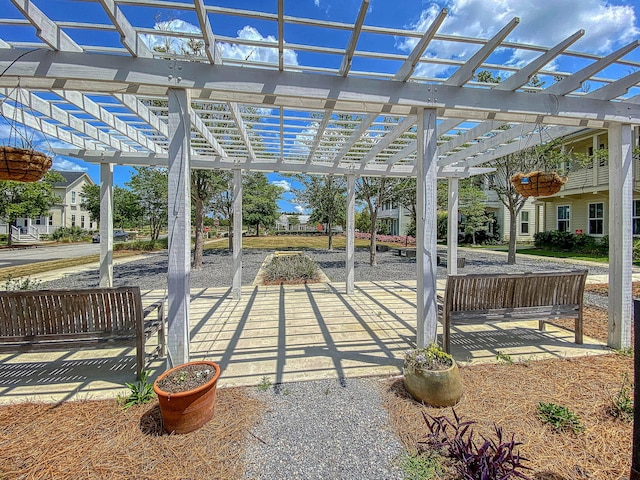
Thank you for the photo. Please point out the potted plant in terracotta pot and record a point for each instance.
(432, 376)
(187, 394)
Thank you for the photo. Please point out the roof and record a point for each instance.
(70, 178)
(318, 103)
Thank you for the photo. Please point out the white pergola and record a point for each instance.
(124, 104)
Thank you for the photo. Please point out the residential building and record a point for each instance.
(67, 212)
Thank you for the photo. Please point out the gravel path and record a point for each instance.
(319, 429)
(325, 429)
(151, 272)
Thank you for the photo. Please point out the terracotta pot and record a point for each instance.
(438, 388)
(187, 411)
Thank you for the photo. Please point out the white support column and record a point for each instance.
(426, 242)
(106, 224)
(179, 227)
(236, 289)
(452, 227)
(620, 235)
(351, 226)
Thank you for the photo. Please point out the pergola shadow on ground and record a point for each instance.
(285, 333)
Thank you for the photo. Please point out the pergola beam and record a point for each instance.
(46, 29)
(409, 65)
(110, 73)
(216, 162)
(128, 35)
(242, 130)
(466, 71)
(345, 66)
(207, 33)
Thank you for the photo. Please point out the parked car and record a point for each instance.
(118, 235)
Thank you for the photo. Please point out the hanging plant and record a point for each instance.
(19, 161)
(538, 184)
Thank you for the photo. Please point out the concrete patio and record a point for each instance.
(286, 333)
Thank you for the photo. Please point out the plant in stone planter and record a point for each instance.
(187, 395)
(432, 376)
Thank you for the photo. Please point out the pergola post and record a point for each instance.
(426, 242)
(452, 227)
(106, 224)
(351, 226)
(620, 235)
(236, 289)
(179, 227)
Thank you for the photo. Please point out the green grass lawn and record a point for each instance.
(529, 249)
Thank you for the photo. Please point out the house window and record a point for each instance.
(73, 220)
(524, 223)
(563, 218)
(82, 221)
(596, 218)
(50, 219)
(73, 198)
(636, 217)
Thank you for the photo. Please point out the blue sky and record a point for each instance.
(608, 25)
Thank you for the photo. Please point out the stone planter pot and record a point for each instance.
(187, 411)
(438, 388)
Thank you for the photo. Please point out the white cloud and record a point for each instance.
(256, 54)
(544, 23)
(172, 43)
(284, 184)
(298, 209)
(316, 3)
(66, 165)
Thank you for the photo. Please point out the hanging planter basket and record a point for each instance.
(538, 184)
(22, 164)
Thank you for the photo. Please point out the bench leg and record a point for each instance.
(578, 328)
(446, 334)
(542, 325)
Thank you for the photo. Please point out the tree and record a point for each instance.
(151, 186)
(259, 204)
(205, 185)
(325, 196)
(473, 208)
(363, 221)
(222, 203)
(27, 199)
(127, 210)
(375, 191)
(90, 201)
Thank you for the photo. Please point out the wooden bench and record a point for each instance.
(479, 298)
(65, 319)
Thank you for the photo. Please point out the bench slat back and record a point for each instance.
(482, 292)
(99, 311)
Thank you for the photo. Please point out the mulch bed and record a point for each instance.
(97, 439)
(507, 395)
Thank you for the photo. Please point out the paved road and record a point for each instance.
(10, 257)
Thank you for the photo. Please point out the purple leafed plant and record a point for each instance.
(494, 459)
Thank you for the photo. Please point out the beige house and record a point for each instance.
(67, 212)
(582, 204)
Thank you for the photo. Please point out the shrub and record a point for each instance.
(289, 268)
(559, 417)
(70, 234)
(636, 250)
(21, 284)
(494, 458)
(142, 245)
